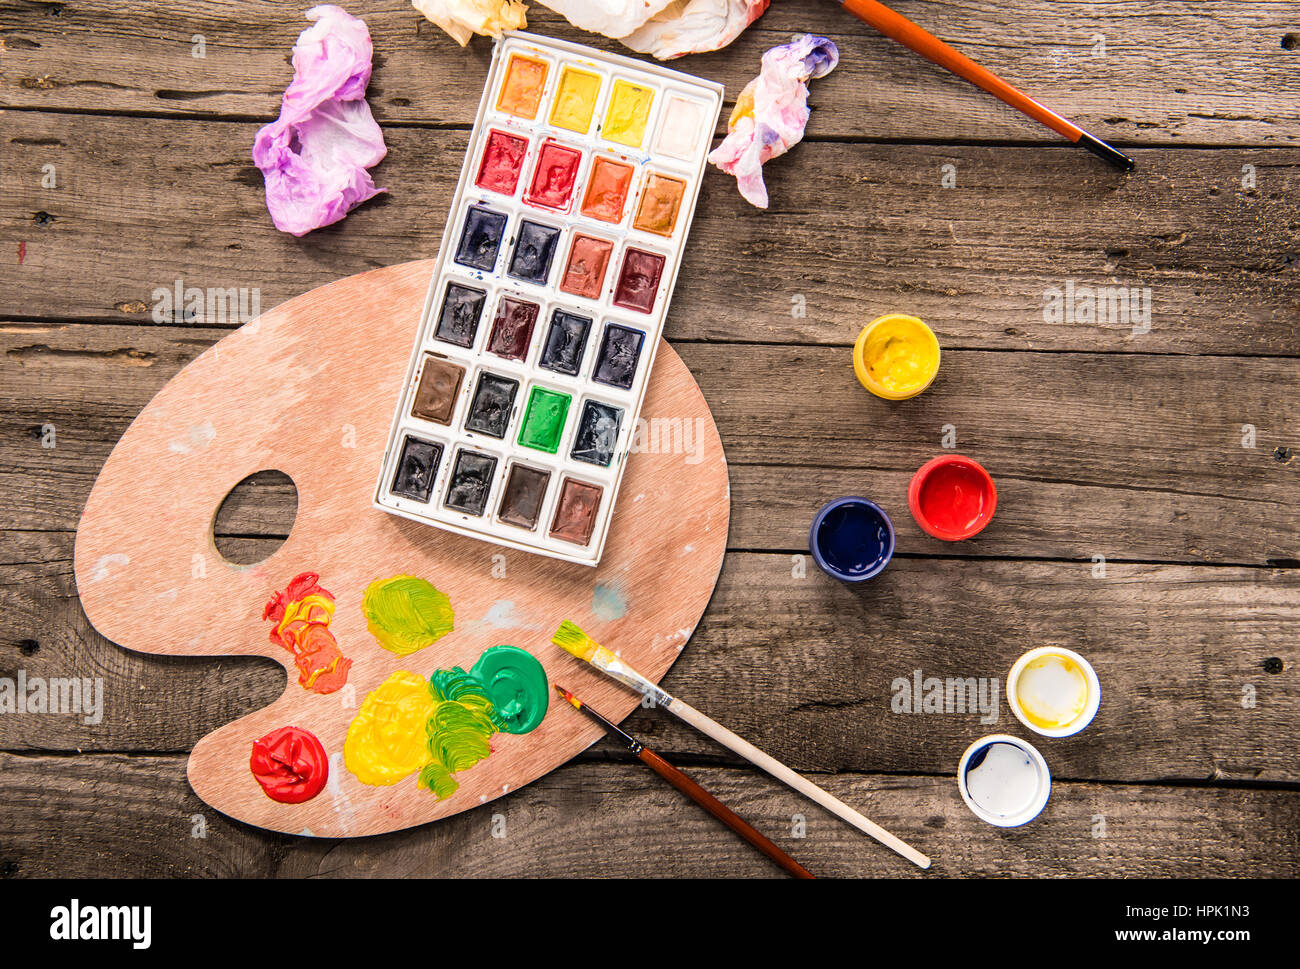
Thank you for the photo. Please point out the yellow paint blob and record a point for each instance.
(575, 100)
(388, 740)
(896, 356)
(629, 109)
(521, 92)
(1052, 691)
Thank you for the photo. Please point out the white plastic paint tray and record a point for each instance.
(514, 433)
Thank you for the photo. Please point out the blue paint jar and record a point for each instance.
(851, 539)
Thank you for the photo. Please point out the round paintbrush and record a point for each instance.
(692, 790)
(573, 640)
(897, 27)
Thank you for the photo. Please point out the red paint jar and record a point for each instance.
(952, 497)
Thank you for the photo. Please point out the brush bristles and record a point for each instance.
(573, 640)
(577, 704)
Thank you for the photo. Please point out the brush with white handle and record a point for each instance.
(573, 640)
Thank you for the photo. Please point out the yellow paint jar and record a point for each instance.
(1053, 691)
(896, 356)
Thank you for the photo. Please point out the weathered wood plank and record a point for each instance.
(806, 668)
(1152, 471)
(168, 702)
(1180, 73)
(136, 816)
(1127, 449)
(854, 231)
(1036, 518)
(1150, 422)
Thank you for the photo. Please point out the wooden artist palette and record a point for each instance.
(309, 388)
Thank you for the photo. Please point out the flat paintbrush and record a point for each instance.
(692, 790)
(897, 27)
(573, 640)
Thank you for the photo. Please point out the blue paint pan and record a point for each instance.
(851, 539)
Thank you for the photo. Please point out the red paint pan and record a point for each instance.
(952, 497)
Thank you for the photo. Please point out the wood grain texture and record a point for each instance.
(1176, 73)
(854, 231)
(805, 668)
(1138, 460)
(294, 390)
(1037, 519)
(137, 816)
(1133, 457)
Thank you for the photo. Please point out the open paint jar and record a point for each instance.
(851, 539)
(952, 497)
(896, 356)
(1053, 691)
(1004, 780)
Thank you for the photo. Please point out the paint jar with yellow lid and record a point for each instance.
(896, 356)
(1053, 691)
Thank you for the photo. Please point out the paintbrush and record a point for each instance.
(573, 640)
(897, 27)
(692, 790)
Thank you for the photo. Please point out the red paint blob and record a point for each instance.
(290, 764)
(952, 497)
(554, 176)
(503, 157)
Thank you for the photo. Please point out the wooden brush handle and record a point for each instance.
(897, 27)
(744, 748)
(720, 811)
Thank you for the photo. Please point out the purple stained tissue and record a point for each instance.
(771, 112)
(315, 155)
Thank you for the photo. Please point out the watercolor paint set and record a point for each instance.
(540, 327)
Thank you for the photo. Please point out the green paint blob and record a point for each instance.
(544, 419)
(516, 684)
(406, 613)
(505, 691)
(460, 730)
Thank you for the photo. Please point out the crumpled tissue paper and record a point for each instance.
(315, 155)
(772, 111)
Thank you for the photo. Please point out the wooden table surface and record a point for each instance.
(1147, 514)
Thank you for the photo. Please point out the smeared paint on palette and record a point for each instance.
(672, 526)
(301, 616)
(406, 613)
(540, 327)
(444, 724)
(437, 727)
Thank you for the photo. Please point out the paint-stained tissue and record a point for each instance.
(694, 27)
(462, 19)
(772, 111)
(664, 28)
(315, 155)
